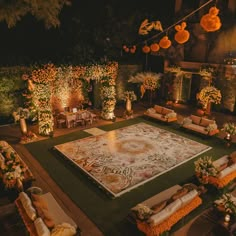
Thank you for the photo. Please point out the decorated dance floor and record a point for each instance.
(126, 158)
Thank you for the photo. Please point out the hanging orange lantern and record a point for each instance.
(133, 49)
(146, 49)
(181, 35)
(165, 42)
(211, 22)
(154, 47)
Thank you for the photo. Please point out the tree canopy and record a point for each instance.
(12, 11)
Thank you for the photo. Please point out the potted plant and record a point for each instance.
(209, 95)
(129, 96)
(204, 168)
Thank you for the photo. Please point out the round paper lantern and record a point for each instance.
(155, 47)
(146, 49)
(125, 48)
(211, 22)
(133, 49)
(181, 35)
(165, 42)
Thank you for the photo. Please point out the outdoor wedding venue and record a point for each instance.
(118, 118)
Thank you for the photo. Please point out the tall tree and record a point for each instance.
(48, 11)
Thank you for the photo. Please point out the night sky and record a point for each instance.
(85, 25)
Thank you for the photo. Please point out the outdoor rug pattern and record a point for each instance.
(122, 159)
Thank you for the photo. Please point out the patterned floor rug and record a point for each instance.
(123, 159)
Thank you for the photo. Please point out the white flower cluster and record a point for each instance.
(129, 95)
(204, 167)
(228, 201)
(229, 128)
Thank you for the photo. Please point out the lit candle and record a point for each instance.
(227, 218)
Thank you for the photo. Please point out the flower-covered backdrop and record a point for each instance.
(51, 88)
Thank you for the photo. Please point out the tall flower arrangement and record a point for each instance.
(209, 94)
(108, 90)
(42, 92)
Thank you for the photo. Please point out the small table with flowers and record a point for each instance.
(14, 173)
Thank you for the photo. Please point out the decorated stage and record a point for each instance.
(125, 158)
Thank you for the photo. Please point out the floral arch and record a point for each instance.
(51, 84)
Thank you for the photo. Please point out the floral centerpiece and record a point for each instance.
(209, 95)
(204, 168)
(129, 95)
(229, 128)
(226, 203)
(21, 113)
(142, 211)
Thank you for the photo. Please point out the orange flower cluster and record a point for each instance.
(166, 225)
(45, 75)
(79, 71)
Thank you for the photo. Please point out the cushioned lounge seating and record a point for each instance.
(161, 113)
(43, 216)
(227, 171)
(200, 125)
(160, 212)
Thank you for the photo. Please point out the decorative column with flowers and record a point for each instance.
(108, 90)
(43, 79)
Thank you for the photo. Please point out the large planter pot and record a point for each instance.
(23, 126)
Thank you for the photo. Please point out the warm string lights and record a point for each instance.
(210, 22)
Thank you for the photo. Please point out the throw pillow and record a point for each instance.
(47, 218)
(158, 207)
(158, 109)
(39, 201)
(151, 111)
(165, 111)
(195, 119)
(205, 122)
(64, 229)
(41, 228)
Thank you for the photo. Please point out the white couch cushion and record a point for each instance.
(165, 213)
(227, 171)
(151, 111)
(188, 197)
(41, 228)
